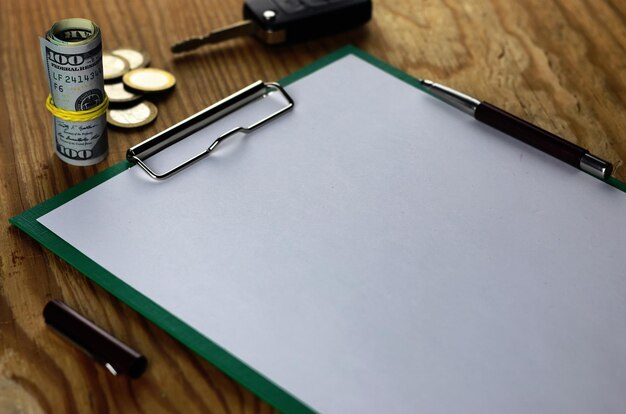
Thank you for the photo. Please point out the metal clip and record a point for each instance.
(141, 152)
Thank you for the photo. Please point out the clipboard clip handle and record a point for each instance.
(139, 153)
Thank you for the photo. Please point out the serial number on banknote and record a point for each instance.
(60, 80)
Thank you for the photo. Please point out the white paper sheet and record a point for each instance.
(378, 251)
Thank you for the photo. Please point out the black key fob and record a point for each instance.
(297, 20)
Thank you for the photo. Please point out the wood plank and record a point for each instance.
(558, 64)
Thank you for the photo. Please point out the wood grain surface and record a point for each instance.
(559, 64)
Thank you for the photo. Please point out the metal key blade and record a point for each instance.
(243, 28)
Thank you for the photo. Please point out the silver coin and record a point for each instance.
(149, 80)
(136, 58)
(113, 66)
(117, 93)
(133, 117)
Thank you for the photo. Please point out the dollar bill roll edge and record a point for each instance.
(72, 58)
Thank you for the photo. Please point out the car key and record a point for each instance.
(282, 21)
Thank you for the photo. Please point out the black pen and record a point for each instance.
(522, 130)
(116, 356)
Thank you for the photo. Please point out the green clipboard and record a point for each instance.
(203, 346)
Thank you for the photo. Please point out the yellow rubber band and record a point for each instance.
(78, 116)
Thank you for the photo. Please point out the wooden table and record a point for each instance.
(559, 64)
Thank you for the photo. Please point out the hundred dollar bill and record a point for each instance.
(72, 58)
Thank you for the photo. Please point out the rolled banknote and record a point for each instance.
(72, 58)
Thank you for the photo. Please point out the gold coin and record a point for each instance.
(149, 80)
(133, 117)
(117, 93)
(113, 66)
(136, 58)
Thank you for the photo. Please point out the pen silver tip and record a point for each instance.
(457, 99)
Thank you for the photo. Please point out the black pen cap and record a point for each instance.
(118, 357)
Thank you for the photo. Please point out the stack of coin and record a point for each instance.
(128, 81)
